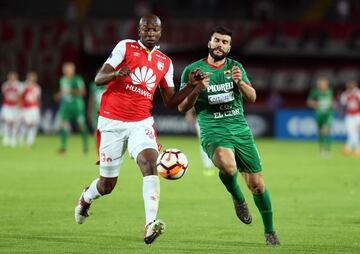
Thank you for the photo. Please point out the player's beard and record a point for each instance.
(215, 56)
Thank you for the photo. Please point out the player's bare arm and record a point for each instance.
(312, 103)
(107, 73)
(172, 99)
(190, 100)
(78, 92)
(247, 91)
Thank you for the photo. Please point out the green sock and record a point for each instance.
(232, 186)
(84, 136)
(327, 142)
(321, 142)
(63, 139)
(263, 203)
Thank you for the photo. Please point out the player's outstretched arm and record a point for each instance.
(247, 91)
(312, 103)
(190, 100)
(107, 73)
(202, 83)
(172, 99)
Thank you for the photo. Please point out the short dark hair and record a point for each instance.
(221, 30)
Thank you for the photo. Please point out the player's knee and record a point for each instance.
(255, 183)
(147, 164)
(228, 167)
(257, 188)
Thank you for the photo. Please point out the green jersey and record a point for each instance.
(219, 108)
(66, 87)
(324, 99)
(96, 92)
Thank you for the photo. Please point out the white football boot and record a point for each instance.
(153, 230)
(82, 209)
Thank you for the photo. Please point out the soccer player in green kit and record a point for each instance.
(72, 106)
(224, 132)
(321, 99)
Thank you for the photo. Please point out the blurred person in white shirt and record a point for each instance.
(11, 90)
(350, 99)
(30, 109)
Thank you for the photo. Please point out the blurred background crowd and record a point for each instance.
(285, 46)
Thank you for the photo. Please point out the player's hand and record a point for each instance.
(76, 92)
(236, 74)
(204, 83)
(122, 72)
(196, 76)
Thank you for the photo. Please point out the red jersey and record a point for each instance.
(351, 100)
(11, 91)
(130, 98)
(30, 95)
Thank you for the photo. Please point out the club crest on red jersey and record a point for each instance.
(160, 65)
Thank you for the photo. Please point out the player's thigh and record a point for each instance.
(246, 155)
(351, 123)
(112, 147)
(78, 116)
(10, 114)
(64, 112)
(142, 136)
(31, 116)
(324, 123)
(221, 153)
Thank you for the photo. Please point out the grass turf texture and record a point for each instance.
(316, 203)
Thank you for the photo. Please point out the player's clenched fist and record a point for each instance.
(195, 76)
(205, 81)
(236, 74)
(122, 72)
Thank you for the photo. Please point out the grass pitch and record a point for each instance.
(315, 201)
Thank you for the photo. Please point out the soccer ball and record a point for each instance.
(172, 164)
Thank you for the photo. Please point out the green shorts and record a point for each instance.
(323, 120)
(70, 112)
(246, 154)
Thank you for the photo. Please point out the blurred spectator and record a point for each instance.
(71, 10)
(263, 10)
(275, 100)
(142, 8)
(314, 37)
(276, 38)
(343, 10)
(354, 40)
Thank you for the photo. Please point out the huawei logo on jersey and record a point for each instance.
(145, 75)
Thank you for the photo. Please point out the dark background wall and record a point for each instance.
(284, 45)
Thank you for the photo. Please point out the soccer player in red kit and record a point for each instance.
(30, 109)
(11, 91)
(133, 71)
(350, 99)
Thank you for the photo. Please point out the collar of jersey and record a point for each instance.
(214, 66)
(147, 50)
